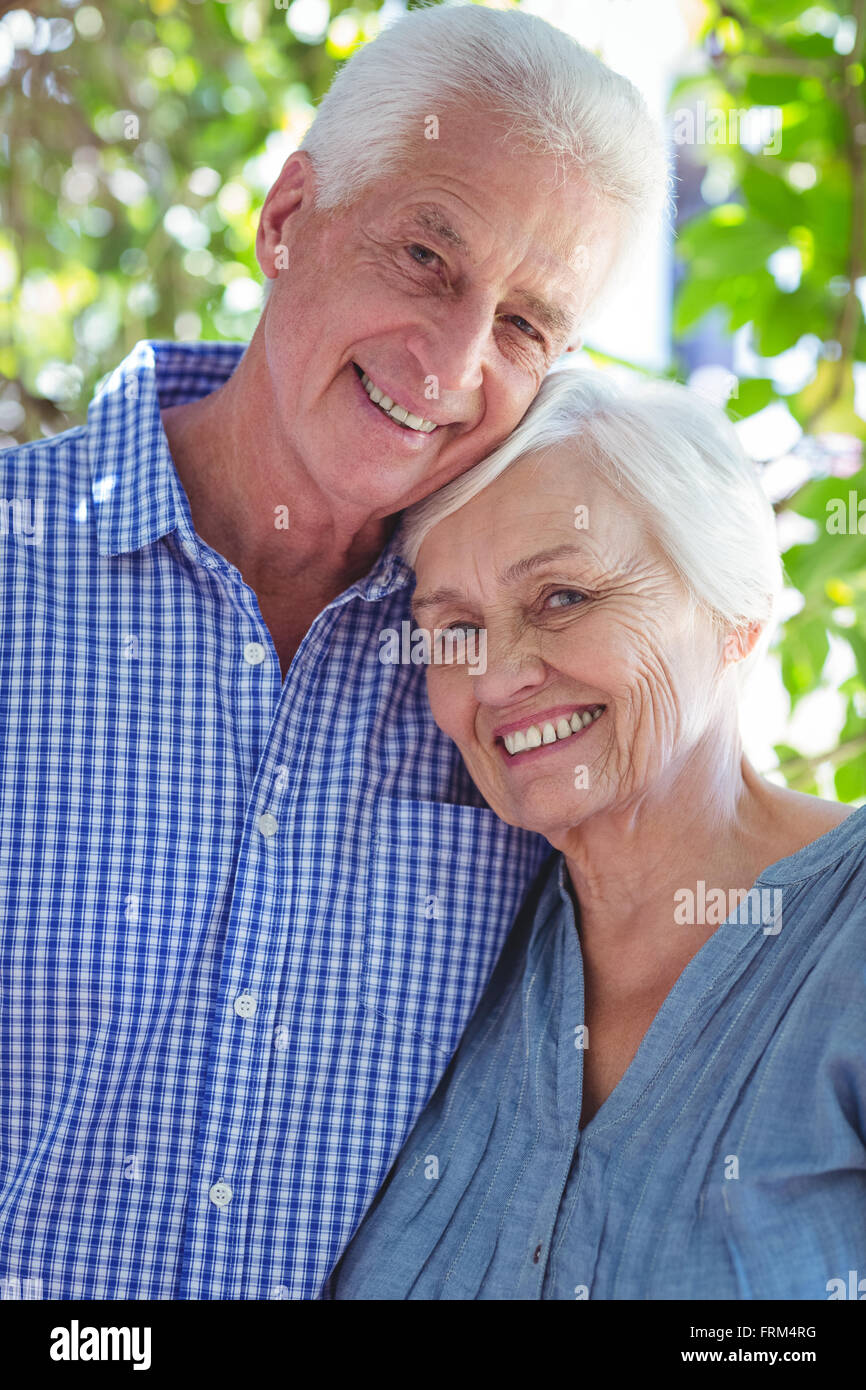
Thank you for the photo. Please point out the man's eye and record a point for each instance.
(565, 598)
(459, 626)
(422, 254)
(524, 326)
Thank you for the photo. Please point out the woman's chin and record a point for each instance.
(549, 801)
(555, 823)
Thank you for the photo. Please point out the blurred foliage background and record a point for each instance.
(138, 139)
(783, 253)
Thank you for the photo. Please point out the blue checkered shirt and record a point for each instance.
(243, 921)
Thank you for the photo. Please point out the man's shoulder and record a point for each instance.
(50, 459)
(42, 483)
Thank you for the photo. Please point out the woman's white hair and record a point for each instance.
(550, 95)
(676, 459)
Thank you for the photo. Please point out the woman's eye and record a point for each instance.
(462, 627)
(565, 598)
(422, 255)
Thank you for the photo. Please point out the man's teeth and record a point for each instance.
(537, 734)
(397, 412)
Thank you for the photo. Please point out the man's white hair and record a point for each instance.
(676, 460)
(550, 96)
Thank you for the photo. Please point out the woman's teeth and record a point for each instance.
(552, 731)
(396, 412)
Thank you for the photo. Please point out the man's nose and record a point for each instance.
(452, 347)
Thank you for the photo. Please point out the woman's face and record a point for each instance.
(589, 647)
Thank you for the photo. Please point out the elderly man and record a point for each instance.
(250, 895)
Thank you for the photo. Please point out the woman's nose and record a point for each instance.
(513, 669)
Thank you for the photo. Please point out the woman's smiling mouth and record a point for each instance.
(555, 729)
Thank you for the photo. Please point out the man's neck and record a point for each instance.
(253, 503)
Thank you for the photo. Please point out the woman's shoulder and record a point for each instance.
(801, 822)
(814, 813)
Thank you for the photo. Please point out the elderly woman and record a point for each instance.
(662, 1092)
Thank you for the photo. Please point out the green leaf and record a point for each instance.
(850, 779)
(694, 300)
(752, 394)
(771, 88)
(769, 196)
(787, 318)
(804, 653)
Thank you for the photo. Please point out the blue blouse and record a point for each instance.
(729, 1162)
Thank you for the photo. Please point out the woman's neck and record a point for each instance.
(631, 868)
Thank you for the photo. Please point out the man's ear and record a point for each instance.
(740, 642)
(293, 189)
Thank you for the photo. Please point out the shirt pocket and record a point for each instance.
(443, 887)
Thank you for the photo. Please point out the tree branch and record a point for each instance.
(849, 313)
(763, 62)
(777, 48)
(796, 767)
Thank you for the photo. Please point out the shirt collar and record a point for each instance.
(136, 493)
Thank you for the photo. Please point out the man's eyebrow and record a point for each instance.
(557, 322)
(519, 570)
(432, 219)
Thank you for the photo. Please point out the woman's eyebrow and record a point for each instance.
(519, 570)
(435, 597)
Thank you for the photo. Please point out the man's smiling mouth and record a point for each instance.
(393, 409)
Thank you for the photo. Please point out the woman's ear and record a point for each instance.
(740, 642)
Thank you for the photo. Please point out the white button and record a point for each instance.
(268, 824)
(254, 653)
(245, 1005)
(220, 1194)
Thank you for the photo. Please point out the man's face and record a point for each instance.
(453, 286)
